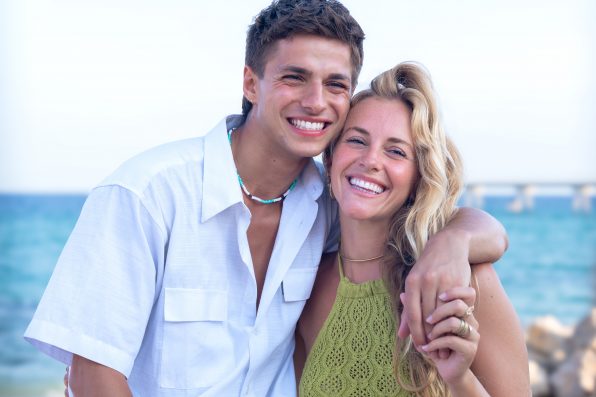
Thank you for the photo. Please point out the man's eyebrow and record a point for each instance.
(339, 76)
(294, 69)
(306, 72)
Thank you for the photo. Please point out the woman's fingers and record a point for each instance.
(454, 325)
(453, 330)
(458, 302)
(466, 346)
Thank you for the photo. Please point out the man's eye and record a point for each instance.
(292, 77)
(338, 84)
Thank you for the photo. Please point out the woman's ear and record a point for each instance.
(249, 84)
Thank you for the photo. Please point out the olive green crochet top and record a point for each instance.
(352, 355)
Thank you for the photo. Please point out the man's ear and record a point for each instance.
(249, 85)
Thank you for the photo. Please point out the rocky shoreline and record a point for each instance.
(562, 358)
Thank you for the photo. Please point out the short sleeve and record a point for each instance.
(99, 298)
(333, 237)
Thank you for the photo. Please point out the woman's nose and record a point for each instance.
(370, 160)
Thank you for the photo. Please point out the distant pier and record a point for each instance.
(525, 193)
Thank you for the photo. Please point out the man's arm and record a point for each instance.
(90, 379)
(471, 236)
(488, 239)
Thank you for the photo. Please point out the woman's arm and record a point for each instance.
(299, 357)
(471, 236)
(501, 363)
(90, 379)
(487, 351)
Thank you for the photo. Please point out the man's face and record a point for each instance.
(303, 98)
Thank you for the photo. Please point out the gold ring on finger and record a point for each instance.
(463, 330)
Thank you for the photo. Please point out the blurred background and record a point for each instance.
(86, 85)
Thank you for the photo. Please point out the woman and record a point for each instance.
(396, 178)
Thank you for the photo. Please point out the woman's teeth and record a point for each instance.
(368, 186)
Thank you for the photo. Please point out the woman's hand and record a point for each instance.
(442, 265)
(453, 328)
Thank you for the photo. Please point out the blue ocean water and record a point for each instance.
(33, 230)
(550, 266)
(548, 269)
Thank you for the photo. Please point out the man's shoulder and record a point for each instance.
(177, 162)
(172, 157)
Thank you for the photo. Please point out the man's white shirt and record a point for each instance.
(157, 282)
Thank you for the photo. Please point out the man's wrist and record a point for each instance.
(450, 236)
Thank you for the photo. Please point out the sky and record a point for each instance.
(85, 85)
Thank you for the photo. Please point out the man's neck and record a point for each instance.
(265, 172)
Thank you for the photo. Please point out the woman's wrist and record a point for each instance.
(466, 386)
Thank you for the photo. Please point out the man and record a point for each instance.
(177, 281)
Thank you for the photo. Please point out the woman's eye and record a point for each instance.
(357, 141)
(398, 152)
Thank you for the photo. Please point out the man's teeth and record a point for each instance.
(307, 125)
(373, 187)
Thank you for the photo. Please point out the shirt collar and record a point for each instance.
(220, 180)
(312, 179)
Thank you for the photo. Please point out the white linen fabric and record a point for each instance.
(157, 282)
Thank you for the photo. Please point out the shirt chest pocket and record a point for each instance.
(197, 348)
(298, 283)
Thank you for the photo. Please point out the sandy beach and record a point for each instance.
(51, 390)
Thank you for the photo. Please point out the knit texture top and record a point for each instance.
(352, 354)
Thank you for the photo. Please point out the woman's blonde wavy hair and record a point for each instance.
(431, 204)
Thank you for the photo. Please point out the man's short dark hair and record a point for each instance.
(287, 18)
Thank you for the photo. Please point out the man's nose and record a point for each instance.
(314, 98)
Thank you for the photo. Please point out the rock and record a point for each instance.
(548, 341)
(577, 376)
(538, 380)
(584, 333)
(548, 360)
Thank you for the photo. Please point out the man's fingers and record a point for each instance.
(430, 299)
(403, 330)
(413, 309)
(467, 294)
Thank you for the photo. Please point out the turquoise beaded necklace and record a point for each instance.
(252, 196)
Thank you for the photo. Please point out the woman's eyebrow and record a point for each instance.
(359, 129)
(364, 131)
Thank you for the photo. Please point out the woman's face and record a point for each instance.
(373, 168)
